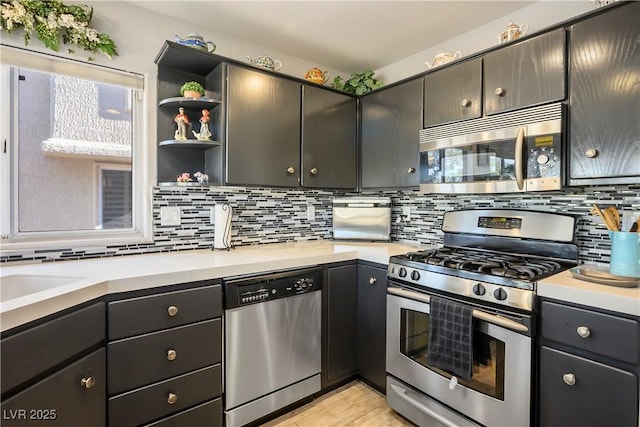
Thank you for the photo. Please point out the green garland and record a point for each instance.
(52, 21)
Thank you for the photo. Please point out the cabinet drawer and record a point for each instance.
(206, 415)
(608, 335)
(137, 316)
(62, 400)
(33, 351)
(153, 402)
(138, 361)
(601, 395)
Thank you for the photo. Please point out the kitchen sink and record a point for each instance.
(20, 285)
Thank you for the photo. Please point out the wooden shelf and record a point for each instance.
(177, 56)
(184, 184)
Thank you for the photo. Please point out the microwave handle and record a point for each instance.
(518, 156)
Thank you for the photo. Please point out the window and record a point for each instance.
(74, 152)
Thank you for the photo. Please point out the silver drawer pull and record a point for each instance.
(465, 103)
(88, 382)
(583, 331)
(291, 170)
(372, 280)
(171, 355)
(569, 379)
(172, 310)
(172, 398)
(411, 170)
(499, 91)
(314, 171)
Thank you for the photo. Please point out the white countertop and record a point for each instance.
(563, 286)
(93, 278)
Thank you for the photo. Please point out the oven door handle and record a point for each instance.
(496, 319)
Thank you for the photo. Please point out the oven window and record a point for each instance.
(488, 354)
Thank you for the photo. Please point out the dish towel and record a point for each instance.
(451, 337)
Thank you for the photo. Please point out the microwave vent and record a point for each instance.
(500, 121)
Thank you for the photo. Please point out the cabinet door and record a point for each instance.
(527, 73)
(391, 122)
(74, 396)
(604, 96)
(263, 129)
(329, 139)
(453, 94)
(600, 395)
(372, 316)
(340, 344)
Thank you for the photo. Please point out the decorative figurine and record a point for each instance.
(202, 178)
(182, 120)
(205, 134)
(184, 177)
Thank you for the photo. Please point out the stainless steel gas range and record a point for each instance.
(489, 266)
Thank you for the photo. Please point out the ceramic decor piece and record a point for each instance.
(513, 31)
(442, 58)
(196, 41)
(316, 75)
(264, 61)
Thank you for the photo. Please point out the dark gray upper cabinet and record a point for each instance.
(391, 122)
(263, 129)
(527, 73)
(453, 93)
(604, 98)
(329, 139)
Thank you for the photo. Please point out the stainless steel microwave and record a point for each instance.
(511, 152)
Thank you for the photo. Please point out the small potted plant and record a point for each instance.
(358, 83)
(192, 90)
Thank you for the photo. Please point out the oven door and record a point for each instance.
(499, 392)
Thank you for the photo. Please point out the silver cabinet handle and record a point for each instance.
(499, 91)
(290, 170)
(314, 171)
(583, 331)
(465, 103)
(372, 280)
(569, 379)
(171, 355)
(411, 170)
(172, 310)
(172, 398)
(88, 382)
(590, 153)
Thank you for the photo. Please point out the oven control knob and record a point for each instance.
(402, 272)
(479, 290)
(500, 294)
(415, 275)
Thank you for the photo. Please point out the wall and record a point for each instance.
(538, 16)
(280, 215)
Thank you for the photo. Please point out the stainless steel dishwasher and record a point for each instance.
(272, 342)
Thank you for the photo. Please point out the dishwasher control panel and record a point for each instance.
(247, 290)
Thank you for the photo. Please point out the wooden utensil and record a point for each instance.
(610, 223)
(614, 216)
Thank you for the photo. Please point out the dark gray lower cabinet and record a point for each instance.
(372, 318)
(340, 301)
(72, 397)
(589, 367)
(580, 392)
(170, 375)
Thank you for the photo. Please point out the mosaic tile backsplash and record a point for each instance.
(280, 215)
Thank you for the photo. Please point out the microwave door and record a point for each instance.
(487, 162)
